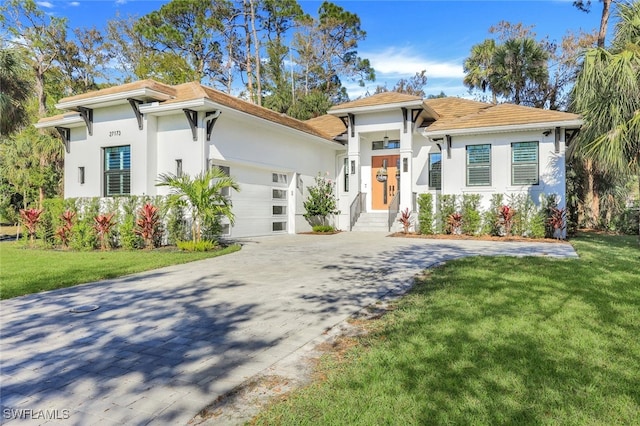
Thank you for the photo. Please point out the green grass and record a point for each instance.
(25, 271)
(494, 341)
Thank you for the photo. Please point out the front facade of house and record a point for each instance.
(381, 151)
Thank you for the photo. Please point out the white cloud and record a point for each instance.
(404, 62)
(119, 2)
(74, 3)
(45, 4)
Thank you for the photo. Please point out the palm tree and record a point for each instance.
(607, 96)
(16, 89)
(518, 64)
(205, 196)
(478, 67)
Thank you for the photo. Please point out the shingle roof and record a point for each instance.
(455, 107)
(378, 99)
(192, 91)
(496, 116)
(329, 124)
(451, 113)
(58, 117)
(141, 84)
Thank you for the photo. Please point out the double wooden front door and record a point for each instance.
(384, 180)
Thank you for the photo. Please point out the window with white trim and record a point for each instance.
(117, 170)
(435, 170)
(279, 226)
(279, 194)
(479, 165)
(81, 175)
(524, 163)
(345, 170)
(226, 170)
(389, 144)
(278, 178)
(179, 168)
(278, 210)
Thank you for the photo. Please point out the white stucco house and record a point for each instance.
(381, 150)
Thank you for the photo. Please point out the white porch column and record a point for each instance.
(406, 155)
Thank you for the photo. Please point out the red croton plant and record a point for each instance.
(148, 224)
(30, 219)
(557, 221)
(102, 225)
(405, 220)
(506, 215)
(64, 231)
(454, 223)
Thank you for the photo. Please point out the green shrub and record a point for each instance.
(323, 228)
(321, 201)
(50, 220)
(446, 208)
(425, 214)
(202, 245)
(127, 238)
(83, 236)
(627, 221)
(548, 205)
(471, 218)
(490, 217)
(538, 225)
(177, 226)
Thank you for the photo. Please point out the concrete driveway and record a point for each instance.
(164, 344)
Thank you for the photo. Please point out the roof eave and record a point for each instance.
(203, 104)
(157, 108)
(67, 121)
(377, 108)
(115, 98)
(568, 124)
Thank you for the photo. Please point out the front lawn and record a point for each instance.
(490, 340)
(25, 271)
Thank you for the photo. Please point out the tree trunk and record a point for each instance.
(256, 43)
(606, 6)
(248, 56)
(40, 92)
(229, 65)
(592, 199)
(40, 197)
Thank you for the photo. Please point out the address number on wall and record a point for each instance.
(113, 133)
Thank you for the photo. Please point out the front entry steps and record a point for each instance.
(372, 222)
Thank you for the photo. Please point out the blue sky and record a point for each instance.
(403, 37)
